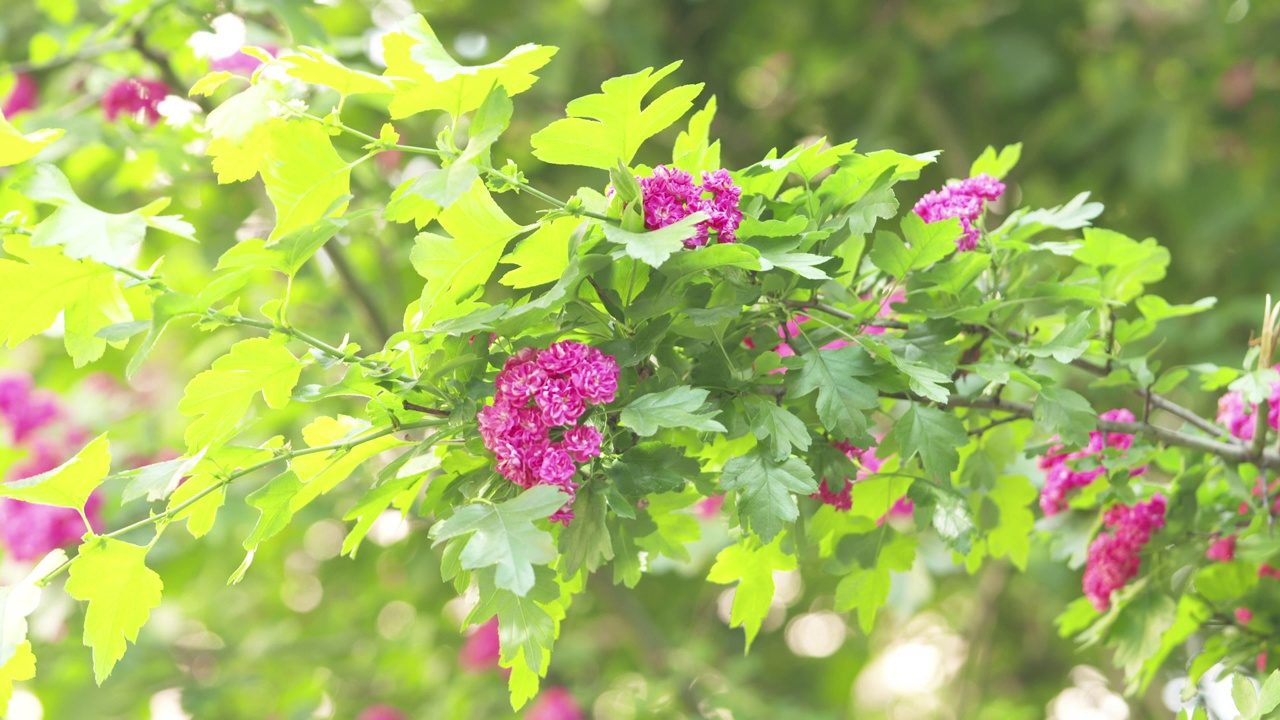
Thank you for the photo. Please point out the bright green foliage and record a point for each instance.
(751, 565)
(842, 398)
(286, 255)
(925, 245)
(934, 435)
(426, 77)
(313, 65)
(112, 576)
(305, 178)
(654, 247)
(504, 537)
(42, 282)
(20, 667)
(765, 488)
(321, 472)
(541, 257)
(16, 147)
(457, 267)
(1011, 536)
(1066, 412)
(221, 395)
(17, 602)
(866, 589)
(610, 126)
(677, 407)
(68, 485)
(772, 421)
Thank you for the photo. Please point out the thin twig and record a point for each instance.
(361, 293)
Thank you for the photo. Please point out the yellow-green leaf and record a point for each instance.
(22, 666)
(306, 179)
(316, 67)
(68, 485)
(112, 576)
(16, 147)
(751, 565)
(221, 395)
(321, 472)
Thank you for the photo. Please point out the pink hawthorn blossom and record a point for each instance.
(1114, 557)
(481, 651)
(134, 97)
(1062, 476)
(555, 703)
(381, 712)
(1223, 550)
(1244, 616)
(22, 97)
(670, 195)
(538, 391)
(965, 200)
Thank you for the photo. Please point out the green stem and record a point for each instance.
(174, 511)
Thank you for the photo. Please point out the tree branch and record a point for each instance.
(358, 290)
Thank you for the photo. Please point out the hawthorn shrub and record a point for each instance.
(845, 378)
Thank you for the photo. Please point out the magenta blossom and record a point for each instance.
(481, 651)
(538, 391)
(965, 200)
(241, 62)
(381, 712)
(24, 410)
(670, 195)
(1239, 419)
(1062, 475)
(1223, 550)
(555, 703)
(868, 465)
(22, 97)
(1114, 557)
(134, 98)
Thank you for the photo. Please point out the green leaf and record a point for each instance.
(770, 420)
(1269, 698)
(70, 484)
(655, 246)
(20, 668)
(220, 396)
(1011, 537)
(779, 255)
(934, 435)
(1131, 265)
(206, 480)
(738, 255)
(311, 65)
(16, 147)
(505, 537)
(677, 407)
(751, 565)
(867, 589)
(1138, 629)
(1226, 582)
(157, 481)
(399, 491)
(1070, 343)
(1245, 696)
(112, 576)
(652, 467)
(17, 602)
(607, 127)
(289, 253)
(274, 502)
(925, 244)
(995, 165)
(1072, 216)
(543, 256)
(841, 397)
(164, 309)
(693, 151)
(765, 486)
(586, 544)
(426, 77)
(36, 284)
(456, 268)
(1065, 412)
(321, 472)
(304, 176)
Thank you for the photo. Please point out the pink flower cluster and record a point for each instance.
(22, 97)
(134, 98)
(541, 390)
(671, 195)
(1239, 419)
(965, 200)
(482, 650)
(555, 703)
(1223, 550)
(1062, 478)
(30, 416)
(381, 712)
(1114, 558)
(868, 465)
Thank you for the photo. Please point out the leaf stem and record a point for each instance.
(174, 511)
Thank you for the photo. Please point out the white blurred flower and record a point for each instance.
(227, 38)
(177, 111)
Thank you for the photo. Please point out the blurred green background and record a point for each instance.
(1168, 111)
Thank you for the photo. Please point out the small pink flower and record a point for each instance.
(965, 200)
(134, 98)
(1244, 616)
(555, 703)
(597, 381)
(381, 712)
(1223, 550)
(482, 649)
(582, 442)
(709, 508)
(520, 381)
(1114, 557)
(564, 356)
(560, 402)
(670, 195)
(22, 97)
